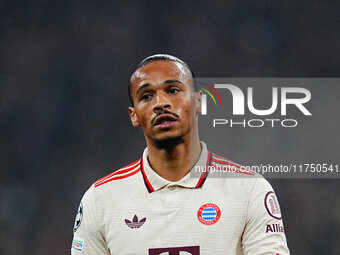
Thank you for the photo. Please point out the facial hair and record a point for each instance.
(169, 143)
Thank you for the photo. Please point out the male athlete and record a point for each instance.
(153, 206)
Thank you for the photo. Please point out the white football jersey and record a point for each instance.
(136, 211)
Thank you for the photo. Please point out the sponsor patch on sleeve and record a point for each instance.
(77, 244)
(274, 228)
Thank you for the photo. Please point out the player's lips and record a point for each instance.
(165, 120)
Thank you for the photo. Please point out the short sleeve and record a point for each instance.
(88, 238)
(264, 231)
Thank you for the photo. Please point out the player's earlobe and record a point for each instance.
(133, 117)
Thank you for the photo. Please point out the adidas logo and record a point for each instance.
(135, 223)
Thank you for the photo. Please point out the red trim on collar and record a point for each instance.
(204, 174)
(198, 185)
(146, 180)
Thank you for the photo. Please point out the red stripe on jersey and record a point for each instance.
(222, 162)
(238, 171)
(119, 171)
(205, 174)
(218, 159)
(225, 159)
(237, 166)
(146, 180)
(117, 178)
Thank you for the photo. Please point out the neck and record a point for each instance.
(176, 161)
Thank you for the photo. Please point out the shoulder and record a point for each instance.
(123, 173)
(236, 177)
(111, 189)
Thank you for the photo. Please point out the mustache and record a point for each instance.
(164, 112)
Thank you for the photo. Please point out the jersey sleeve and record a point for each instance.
(264, 232)
(87, 237)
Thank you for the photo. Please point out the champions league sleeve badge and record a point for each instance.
(79, 217)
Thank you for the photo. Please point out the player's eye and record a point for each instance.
(146, 96)
(173, 90)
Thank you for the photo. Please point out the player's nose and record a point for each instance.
(162, 102)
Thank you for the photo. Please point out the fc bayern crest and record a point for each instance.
(209, 214)
(79, 217)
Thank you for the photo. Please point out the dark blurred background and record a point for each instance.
(64, 68)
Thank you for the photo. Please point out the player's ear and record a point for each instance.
(198, 101)
(133, 117)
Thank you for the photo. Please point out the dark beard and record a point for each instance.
(168, 144)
